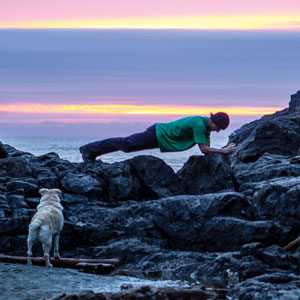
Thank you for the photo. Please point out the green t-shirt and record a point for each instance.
(182, 134)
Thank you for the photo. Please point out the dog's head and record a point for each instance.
(50, 194)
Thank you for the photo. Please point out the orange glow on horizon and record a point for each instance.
(241, 22)
(39, 108)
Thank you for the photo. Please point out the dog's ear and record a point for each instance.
(43, 191)
(57, 191)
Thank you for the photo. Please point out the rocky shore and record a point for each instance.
(221, 221)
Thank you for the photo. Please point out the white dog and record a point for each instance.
(46, 224)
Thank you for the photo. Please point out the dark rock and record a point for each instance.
(134, 250)
(140, 178)
(45, 177)
(274, 256)
(17, 201)
(277, 200)
(223, 233)
(3, 179)
(12, 152)
(294, 104)
(85, 234)
(270, 134)
(73, 200)
(11, 227)
(122, 183)
(15, 168)
(122, 188)
(3, 152)
(50, 182)
(268, 166)
(158, 179)
(249, 249)
(48, 156)
(58, 167)
(207, 174)
(33, 202)
(276, 286)
(16, 192)
(30, 188)
(82, 184)
(196, 223)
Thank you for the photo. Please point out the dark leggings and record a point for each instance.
(135, 142)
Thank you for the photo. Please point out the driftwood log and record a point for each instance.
(293, 244)
(66, 262)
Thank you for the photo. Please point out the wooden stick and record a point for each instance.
(61, 262)
(292, 244)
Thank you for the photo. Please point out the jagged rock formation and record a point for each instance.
(217, 216)
(274, 134)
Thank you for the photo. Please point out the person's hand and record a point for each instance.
(230, 148)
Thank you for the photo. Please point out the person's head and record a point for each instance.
(218, 121)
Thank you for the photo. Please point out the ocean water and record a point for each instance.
(68, 148)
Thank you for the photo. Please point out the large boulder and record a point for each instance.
(268, 166)
(141, 178)
(83, 184)
(278, 133)
(278, 200)
(211, 173)
(157, 178)
(121, 182)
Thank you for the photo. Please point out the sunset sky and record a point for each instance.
(191, 14)
(237, 56)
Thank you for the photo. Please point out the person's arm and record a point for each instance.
(205, 149)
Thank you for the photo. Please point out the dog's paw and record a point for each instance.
(49, 266)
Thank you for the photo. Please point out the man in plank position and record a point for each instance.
(179, 135)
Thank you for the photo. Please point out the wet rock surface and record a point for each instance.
(220, 221)
(34, 282)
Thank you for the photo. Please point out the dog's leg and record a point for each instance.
(33, 231)
(47, 247)
(56, 245)
(29, 252)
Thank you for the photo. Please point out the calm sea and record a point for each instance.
(67, 148)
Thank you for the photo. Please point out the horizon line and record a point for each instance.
(126, 109)
(241, 23)
(274, 30)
